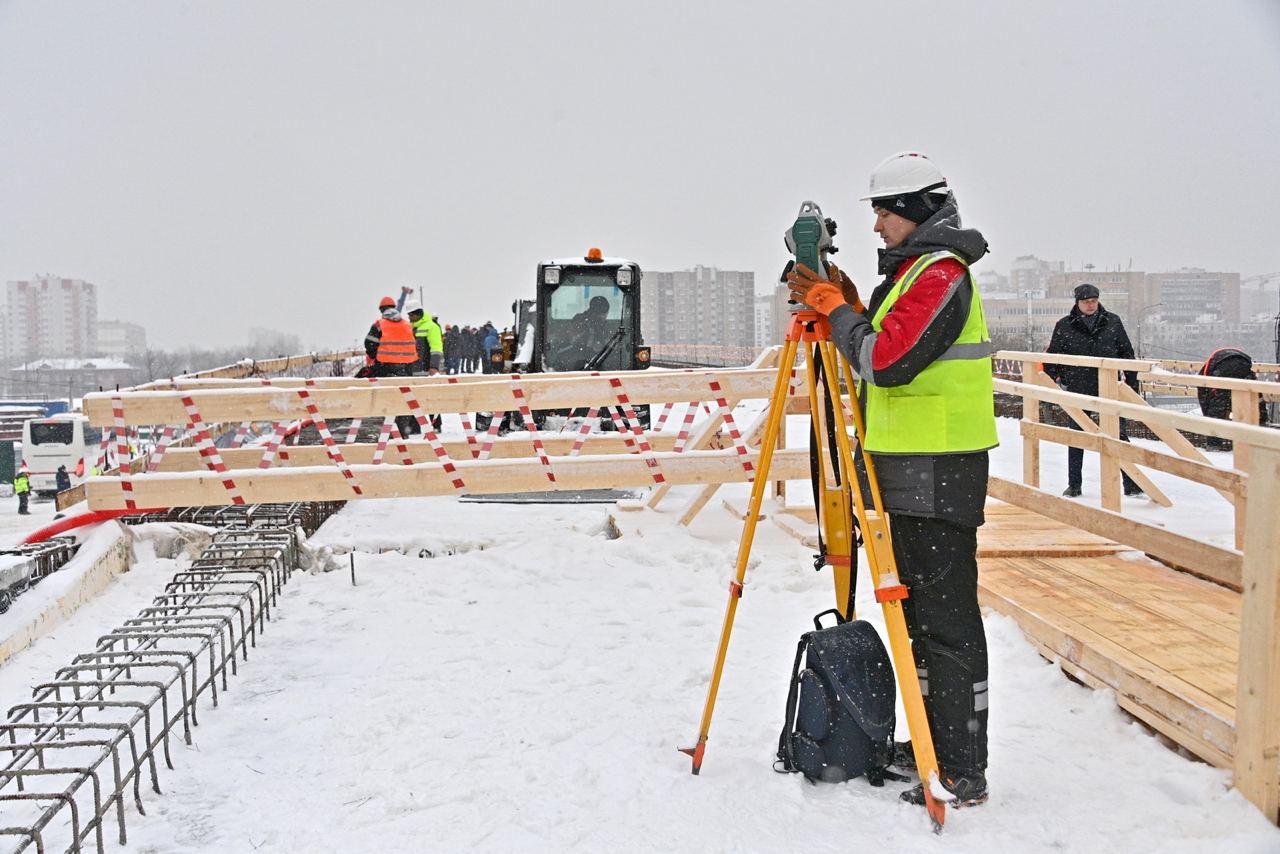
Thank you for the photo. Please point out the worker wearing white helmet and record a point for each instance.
(921, 347)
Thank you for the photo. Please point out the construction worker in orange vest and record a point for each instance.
(394, 350)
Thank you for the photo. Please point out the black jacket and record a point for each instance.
(1073, 337)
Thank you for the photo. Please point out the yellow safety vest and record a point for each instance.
(949, 407)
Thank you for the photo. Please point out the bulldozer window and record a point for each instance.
(585, 314)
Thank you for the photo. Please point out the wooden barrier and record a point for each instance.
(1251, 747)
(435, 394)
(327, 483)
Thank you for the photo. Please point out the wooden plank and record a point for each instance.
(396, 481)
(541, 392)
(513, 446)
(1200, 723)
(1244, 409)
(1030, 447)
(1257, 759)
(1218, 564)
(1149, 415)
(1079, 361)
(806, 533)
(1201, 652)
(253, 367)
(1109, 425)
(1227, 481)
(752, 438)
(1178, 443)
(1268, 389)
(1110, 477)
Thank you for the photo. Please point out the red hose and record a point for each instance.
(68, 523)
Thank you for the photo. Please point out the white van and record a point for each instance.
(59, 440)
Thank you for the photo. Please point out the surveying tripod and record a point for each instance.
(839, 492)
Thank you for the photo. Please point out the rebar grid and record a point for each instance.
(39, 560)
(83, 743)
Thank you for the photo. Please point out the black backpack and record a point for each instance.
(841, 707)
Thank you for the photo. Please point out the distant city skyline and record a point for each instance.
(216, 166)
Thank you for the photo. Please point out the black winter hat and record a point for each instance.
(1086, 291)
(916, 207)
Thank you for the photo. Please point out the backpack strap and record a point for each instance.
(786, 756)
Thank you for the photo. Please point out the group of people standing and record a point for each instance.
(468, 349)
(412, 344)
(406, 341)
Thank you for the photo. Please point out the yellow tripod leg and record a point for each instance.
(833, 498)
(889, 590)
(775, 421)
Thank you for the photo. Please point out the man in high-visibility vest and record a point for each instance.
(921, 348)
(430, 346)
(22, 488)
(390, 344)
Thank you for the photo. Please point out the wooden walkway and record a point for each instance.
(1164, 641)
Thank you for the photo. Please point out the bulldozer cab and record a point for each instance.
(586, 316)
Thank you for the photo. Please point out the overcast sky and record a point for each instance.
(219, 165)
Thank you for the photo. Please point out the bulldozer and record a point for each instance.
(585, 317)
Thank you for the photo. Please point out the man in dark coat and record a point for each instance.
(62, 479)
(452, 349)
(1089, 330)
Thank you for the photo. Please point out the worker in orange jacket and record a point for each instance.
(394, 350)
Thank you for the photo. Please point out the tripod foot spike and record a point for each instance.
(696, 754)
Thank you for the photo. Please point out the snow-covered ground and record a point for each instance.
(525, 690)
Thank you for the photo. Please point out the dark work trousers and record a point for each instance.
(1075, 456)
(938, 562)
(406, 424)
(22, 503)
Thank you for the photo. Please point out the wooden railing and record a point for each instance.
(1252, 485)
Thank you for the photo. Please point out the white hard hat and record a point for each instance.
(411, 306)
(905, 172)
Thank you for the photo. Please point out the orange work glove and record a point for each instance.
(821, 295)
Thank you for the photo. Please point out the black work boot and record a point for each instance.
(1072, 492)
(904, 756)
(969, 790)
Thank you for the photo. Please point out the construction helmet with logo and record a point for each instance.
(387, 302)
(904, 173)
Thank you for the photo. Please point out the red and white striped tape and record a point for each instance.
(353, 431)
(415, 409)
(122, 451)
(646, 451)
(331, 446)
(387, 432)
(584, 430)
(662, 416)
(209, 451)
(384, 435)
(166, 436)
(242, 434)
(523, 403)
(682, 438)
(104, 450)
(281, 429)
(406, 458)
(490, 435)
(739, 443)
(467, 427)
